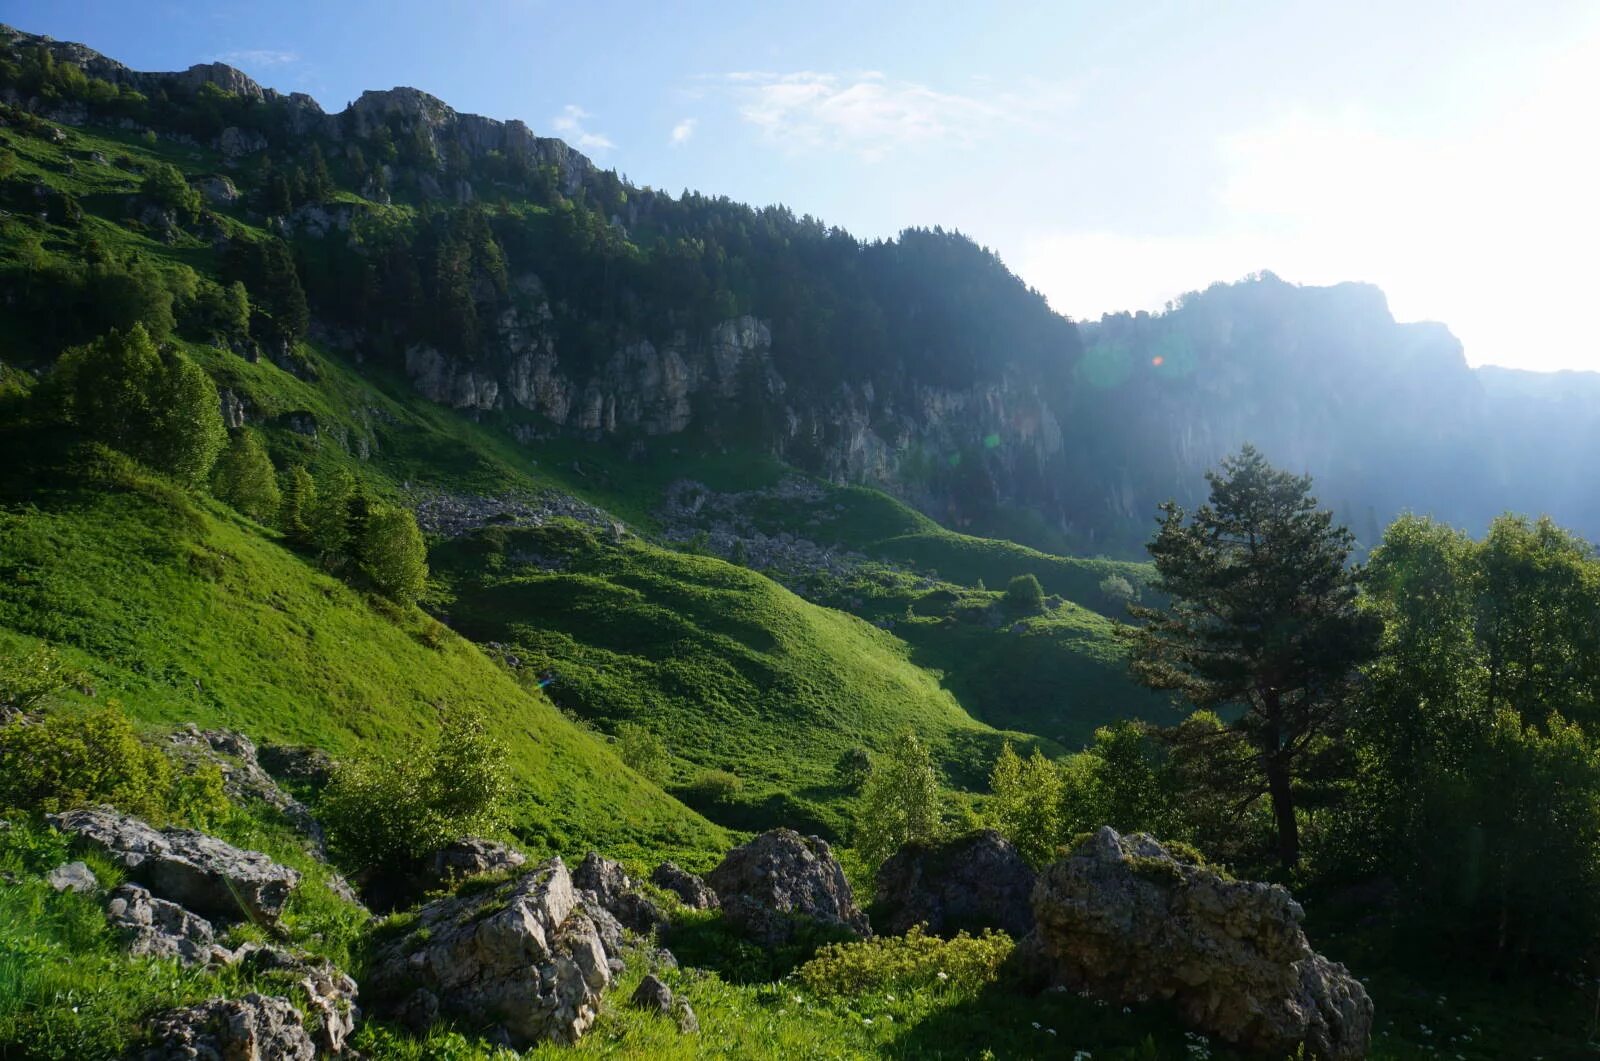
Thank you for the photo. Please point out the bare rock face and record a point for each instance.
(252, 1028)
(780, 881)
(976, 882)
(186, 867)
(1124, 919)
(72, 877)
(685, 885)
(155, 928)
(522, 955)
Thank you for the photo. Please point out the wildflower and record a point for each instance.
(888, 1018)
(943, 976)
(1036, 1025)
(889, 997)
(867, 1021)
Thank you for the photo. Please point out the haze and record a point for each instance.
(1114, 158)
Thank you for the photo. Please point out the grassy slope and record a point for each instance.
(734, 671)
(187, 612)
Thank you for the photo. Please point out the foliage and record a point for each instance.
(299, 505)
(28, 679)
(1024, 595)
(899, 801)
(1027, 803)
(1263, 617)
(159, 407)
(907, 962)
(393, 554)
(389, 811)
(72, 759)
(244, 477)
(643, 750)
(853, 768)
(716, 786)
(165, 186)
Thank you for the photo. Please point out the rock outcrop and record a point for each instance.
(186, 867)
(1123, 919)
(694, 892)
(253, 1028)
(243, 777)
(523, 956)
(156, 928)
(605, 883)
(330, 994)
(976, 882)
(781, 882)
(72, 877)
(470, 856)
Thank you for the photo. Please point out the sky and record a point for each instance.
(1115, 155)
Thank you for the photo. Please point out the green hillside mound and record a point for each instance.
(733, 671)
(189, 613)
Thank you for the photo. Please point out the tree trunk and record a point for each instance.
(1283, 811)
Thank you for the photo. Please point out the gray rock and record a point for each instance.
(419, 1011)
(243, 777)
(605, 925)
(470, 856)
(688, 1023)
(189, 868)
(330, 994)
(72, 877)
(253, 1028)
(312, 766)
(156, 928)
(521, 955)
(217, 190)
(781, 880)
(975, 882)
(615, 891)
(1123, 919)
(652, 995)
(235, 143)
(685, 885)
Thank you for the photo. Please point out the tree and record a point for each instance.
(330, 522)
(158, 407)
(1263, 617)
(1024, 596)
(899, 802)
(1027, 802)
(393, 554)
(298, 514)
(165, 185)
(245, 479)
(853, 768)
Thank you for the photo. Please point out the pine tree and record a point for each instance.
(1263, 617)
(330, 523)
(393, 554)
(244, 478)
(298, 514)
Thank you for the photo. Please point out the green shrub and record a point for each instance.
(716, 786)
(28, 679)
(642, 750)
(1024, 596)
(906, 962)
(75, 759)
(393, 554)
(379, 811)
(853, 768)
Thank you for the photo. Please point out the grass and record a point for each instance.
(732, 670)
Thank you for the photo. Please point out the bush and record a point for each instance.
(915, 960)
(853, 768)
(380, 811)
(393, 554)
(160, 408)
(244, 478)
(27, 680)
(1024, 596)
(166, 187)
(642, 750)
(716, 786)
(77, 759)
(1027, 803)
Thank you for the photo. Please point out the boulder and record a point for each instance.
(652, 995)
(330, 994)
(156, 928)
(976, 882)
(609, 886)
(780, 881)
(521, 955)
(1124, 919)
(253, 1028)
(189, 868)
(243, 777)
(469, 857)
(72, 877)
(685, 885)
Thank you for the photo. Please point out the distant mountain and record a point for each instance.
(506, 275)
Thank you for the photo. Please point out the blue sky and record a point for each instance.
(1115, 155)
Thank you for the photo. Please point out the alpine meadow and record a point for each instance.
(459, 602)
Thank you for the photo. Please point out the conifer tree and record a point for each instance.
(299, 511)
(245, 479)
(1262, 618)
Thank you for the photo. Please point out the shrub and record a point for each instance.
(28, 679)
(379, 811)
(642, 750)
(160, 408)
(1024, 596)
(166, 186)
(716, 786)
(853, 768)
(915, 960)
(74, 759)
(393, 554)
(244, 478)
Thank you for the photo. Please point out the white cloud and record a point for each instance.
(683, 131)
(258, 57)
(871, 114)
(570, 124)
(1490, 229)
